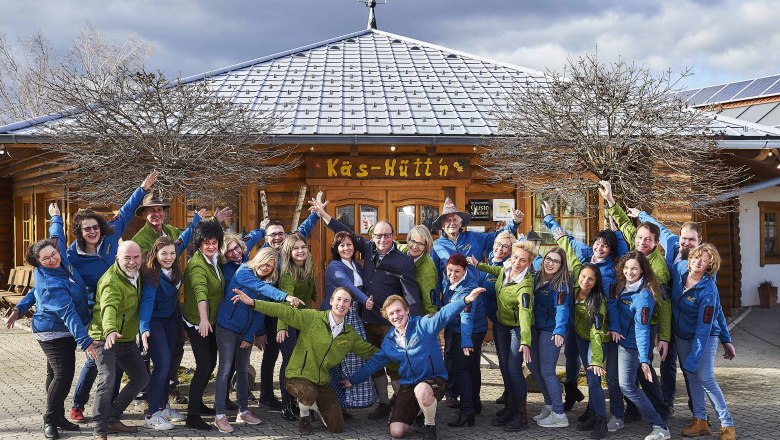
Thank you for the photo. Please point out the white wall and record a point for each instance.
(749, 236)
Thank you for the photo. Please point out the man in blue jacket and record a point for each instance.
(413, 343)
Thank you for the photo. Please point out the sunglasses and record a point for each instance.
(92, 228)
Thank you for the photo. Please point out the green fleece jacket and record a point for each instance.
(146, 236)
(117, 306)
(316, 351)
(427, 278)
(201, 283)
(662, 312)
(515, 301)
(304, 290)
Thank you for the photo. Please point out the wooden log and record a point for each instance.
(264, 204)
(298, 207)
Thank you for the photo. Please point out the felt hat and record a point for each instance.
(150, 200)
(449, 208)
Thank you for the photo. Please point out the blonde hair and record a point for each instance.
(287, 265)
(231, 237)
(391, 299)
(709, 248)
(263, 256)
(527, 246)
(425, 235)
(506, 234)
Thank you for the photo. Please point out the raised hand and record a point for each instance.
(633, 212)
(558, 232)
(472, 261)
(264, 224)
(149, 181)
(201, 212)
(54, 209)
(517, 216)
(546, 209)
(605, 189)
(370, 303)
(223, 213)
(474, 295)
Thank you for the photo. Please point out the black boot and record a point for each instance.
(573, 395)
(521, 421)
(462, 420)
(586, 421)
(50, 431)
(599, 428)
(197, 422)
(287, 412)
(502, 400)
(429, 432)
(507, 414)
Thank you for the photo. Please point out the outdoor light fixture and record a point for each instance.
(534, 238)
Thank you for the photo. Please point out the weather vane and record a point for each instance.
(371, 14)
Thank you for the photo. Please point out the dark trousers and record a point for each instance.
(205, 352)
(87, 378)
(451, 344)
(127, 356)
(178, 354)
(163, 334)
(325, 398)
(270, 355)
(60, 368)
(232, 358)
(466, 372)
(287, 348)
(375, 334)
(669, 374)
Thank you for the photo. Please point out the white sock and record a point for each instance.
(381, 389)
(430, 413)
(304, 409)
(317, 409)
(396, 384)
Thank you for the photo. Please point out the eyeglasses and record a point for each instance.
(236, 250)
(552, 261)
(94, 228)
(503, 247)
(277, 234)
(49, 257)
(387, 236)
(415, 243)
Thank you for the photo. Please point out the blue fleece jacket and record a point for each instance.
(472, 318)
(422, 358)
(229, 268)
(239, 317)
(488, 297)
(339, 274)
(551, 307)
(636, 310)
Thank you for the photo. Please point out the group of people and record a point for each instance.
(606, 305)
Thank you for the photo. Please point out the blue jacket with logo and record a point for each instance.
(339, 274)
(636, 310)
(551, 307)
(472, 318)
(488, 282)
(240, 317)
(229, 268)
(422, 358)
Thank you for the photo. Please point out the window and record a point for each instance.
(27, 224)
(415, 214)
(576, 224)
(769, 214)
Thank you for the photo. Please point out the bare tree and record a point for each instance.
(615, 122)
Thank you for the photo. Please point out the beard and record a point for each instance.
(684, 253)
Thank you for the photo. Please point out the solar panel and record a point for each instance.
(704, 95)
(757, 87)
(775, 89)
(685, 94)
(729, 91)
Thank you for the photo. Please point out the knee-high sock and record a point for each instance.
(381, 389)
(317, 409)
(430, 413)
(396, 384)
(304, 408)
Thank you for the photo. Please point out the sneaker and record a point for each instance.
(554, 421)
(77, 415)
(546, 411)
(615, 423)
(223, 424)
(248, 417)
(120, 428)
(157, 421)
(172, 415)
(659, 433)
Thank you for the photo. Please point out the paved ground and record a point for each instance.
(751, 384)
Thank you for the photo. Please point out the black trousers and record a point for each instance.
(466, 372)
(270, 355)
(60, 368)
(205, 352)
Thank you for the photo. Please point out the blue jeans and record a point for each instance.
(628, 368)
(163, 335)
(544, 358)
(595, 393)
(286, 348)
(703, 381)
(616, 406)
(510, 361)
(572, 354)
(230, 351)
(86, 380)
(669, 374)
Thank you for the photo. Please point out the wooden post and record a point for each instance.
(298, 207)
(264, 204)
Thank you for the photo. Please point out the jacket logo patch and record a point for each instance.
(599, 322)
(628, 302)
(561, 298)
(413, 341)
(691, 299)
(645, 315)
(246, 238)
(179, 241)
(709, 311)
(526, 301)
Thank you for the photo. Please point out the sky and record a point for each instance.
(720, 40)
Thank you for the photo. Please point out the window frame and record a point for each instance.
(764, 208)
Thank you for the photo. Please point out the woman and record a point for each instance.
(638, 292)
(235, 250)
(551, 317)
(59, 325)
(695, 302)
(296, 279)
(324, 339)
(204, 285)
(515, 287)
(463, 339)
(162, 278)
(236, 328)
(419, 243)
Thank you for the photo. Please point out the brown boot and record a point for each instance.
(304, 425)
(728, 433)
(696, 428)
(120, 428)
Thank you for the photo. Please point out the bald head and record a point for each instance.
(128, 256)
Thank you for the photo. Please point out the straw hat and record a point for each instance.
(449, 208)
(150, 200)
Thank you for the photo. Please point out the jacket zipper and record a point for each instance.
(319, 369)
(123, 324)
(430, 359)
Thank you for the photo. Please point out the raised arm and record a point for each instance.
(184, 239)
(126, 212)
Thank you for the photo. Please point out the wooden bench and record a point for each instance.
(20, 281)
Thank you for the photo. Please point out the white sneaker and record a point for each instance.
(615, 423)
(172, 415)
(659, 433)
(554, 421)
(158, 422)
(546, 410)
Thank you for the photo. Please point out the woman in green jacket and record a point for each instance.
(324, 339)
(204, 285)
(296, 278)
(419, 243)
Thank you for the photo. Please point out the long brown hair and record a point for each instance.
(150, 271)
(647, 273)
(559, 280)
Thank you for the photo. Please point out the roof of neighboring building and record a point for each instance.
(732, 92)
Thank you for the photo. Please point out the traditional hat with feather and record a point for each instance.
(449, 208)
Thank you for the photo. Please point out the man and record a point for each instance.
(413, 343)
(644, 239)
(676, 248)
(120, 312)
(386, 271)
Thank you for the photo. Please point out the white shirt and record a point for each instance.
(335, 329)
(400, 337)
(508, 269)
(633, 286)
(97, 248)
(454, 286)
(214, 262)
(357, 280)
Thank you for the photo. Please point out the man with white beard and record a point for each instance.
(118, 317)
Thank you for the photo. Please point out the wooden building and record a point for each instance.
(388, 126)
